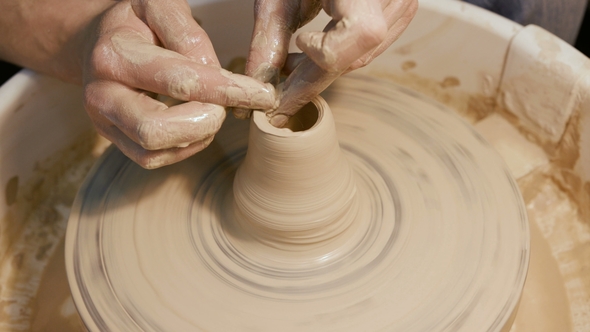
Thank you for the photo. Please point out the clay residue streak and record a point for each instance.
(428, 233)
(34, 293)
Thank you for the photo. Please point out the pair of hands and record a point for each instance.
(146, 47)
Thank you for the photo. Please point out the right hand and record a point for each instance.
(359, 31)
(139, 48)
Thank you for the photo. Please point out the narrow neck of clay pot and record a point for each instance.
(295, 187)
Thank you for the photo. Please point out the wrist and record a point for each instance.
(46, 37)
(68, 60)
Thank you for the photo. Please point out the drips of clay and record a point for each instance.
(427, 233)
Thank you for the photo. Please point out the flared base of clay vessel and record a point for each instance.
(398, 217)
(295, 190)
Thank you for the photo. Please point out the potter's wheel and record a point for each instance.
(443, 244)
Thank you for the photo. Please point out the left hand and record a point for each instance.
(139, 48)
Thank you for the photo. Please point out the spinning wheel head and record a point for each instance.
(392, 214)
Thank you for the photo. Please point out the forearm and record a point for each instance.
(48, 36)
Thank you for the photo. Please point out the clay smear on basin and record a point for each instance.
(427, 231)
(34, 293)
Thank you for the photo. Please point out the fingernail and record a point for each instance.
(208, 141)
(265, 98)
(279, 120)
(242, 113)
(162, 159)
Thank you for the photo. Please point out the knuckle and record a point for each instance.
(103, 60)
(90, 96)
(145, 160)
(374, 33)
(182, 84)
(191, 41)
(179, 89)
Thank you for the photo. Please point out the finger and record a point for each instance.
(293, 60)
(176, 29)
(150, 123)
(398, 18)
(304, 83)
(139, 63)
(148, 159)
(359, 27)
(275, 23)
(397, 14)
(151, 159)
(273, 28)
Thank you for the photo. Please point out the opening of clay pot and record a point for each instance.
(304, 119)
(295, 186)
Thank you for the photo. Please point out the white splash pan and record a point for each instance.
(461, 55)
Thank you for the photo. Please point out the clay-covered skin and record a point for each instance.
(359, 31)
(404, 221)
(157, 46)
(124, 53)
(544, 306)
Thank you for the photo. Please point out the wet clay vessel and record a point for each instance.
(381, 211)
